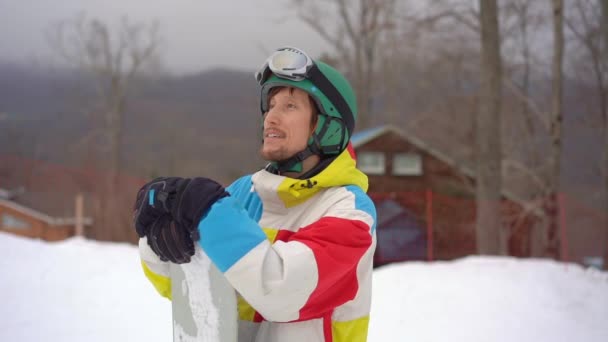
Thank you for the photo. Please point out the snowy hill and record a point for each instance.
(80, 290)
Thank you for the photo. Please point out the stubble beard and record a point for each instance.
(275, 155)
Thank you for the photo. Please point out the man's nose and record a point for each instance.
(271, 116)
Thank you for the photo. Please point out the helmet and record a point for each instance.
(334, 98)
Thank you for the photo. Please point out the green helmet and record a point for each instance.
(336, 118)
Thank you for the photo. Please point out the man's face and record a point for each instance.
(287, 124)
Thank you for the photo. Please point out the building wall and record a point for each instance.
(451, 204)
(35, 228)
(437, 175)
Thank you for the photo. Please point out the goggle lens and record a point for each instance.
(287, 63)
(287, 60)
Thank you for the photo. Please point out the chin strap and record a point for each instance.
(293, 164)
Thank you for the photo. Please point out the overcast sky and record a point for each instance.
(197, 34)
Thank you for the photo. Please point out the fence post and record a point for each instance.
(562, 227)
(79, 216)
(429, 225)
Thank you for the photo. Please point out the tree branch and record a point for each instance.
(542, 116)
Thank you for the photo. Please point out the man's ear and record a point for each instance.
(314, 124)
(313, 127)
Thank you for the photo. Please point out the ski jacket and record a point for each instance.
(298, 252)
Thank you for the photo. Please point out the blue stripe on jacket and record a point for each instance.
(241, 189)
(363, 202)
(230, 230)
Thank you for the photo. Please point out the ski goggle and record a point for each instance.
(287, 62)
(295, 65)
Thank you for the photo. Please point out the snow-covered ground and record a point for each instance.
(490, 299)
(80, 290)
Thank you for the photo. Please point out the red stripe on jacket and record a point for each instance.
(338, 245)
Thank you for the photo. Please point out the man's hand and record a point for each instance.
(168, 211)
(155, 199)
(170, 242)
(192, 202)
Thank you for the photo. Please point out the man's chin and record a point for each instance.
(274, 156)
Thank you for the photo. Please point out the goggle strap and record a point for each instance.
(327, 88)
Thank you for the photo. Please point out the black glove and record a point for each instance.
(192, 202)
(170, 242)
(153, 200)
(168, 211)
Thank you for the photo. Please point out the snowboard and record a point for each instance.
(204, 304)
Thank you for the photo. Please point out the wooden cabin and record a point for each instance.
(426, 200)
(19, 217)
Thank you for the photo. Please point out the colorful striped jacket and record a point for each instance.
(298, 252)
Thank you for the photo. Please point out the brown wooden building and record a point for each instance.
(19, 217)
(425, 199)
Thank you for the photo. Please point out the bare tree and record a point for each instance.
(488, 138)
(604, 29)
(521, 10)
(520, 17)
(526, 19)
(526, 124)
(587, 23)
(585, 28)
(112, 59)
(551, 237)
(355, 36)
(520, 21)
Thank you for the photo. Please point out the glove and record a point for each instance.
(152, 218)
(153, 201)
(192, 202)
(170, 242)
(168, 211)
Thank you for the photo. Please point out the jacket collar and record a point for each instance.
(290, 192)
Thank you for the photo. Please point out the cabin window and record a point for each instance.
(371, 163)
(10, 221)
(407, 164)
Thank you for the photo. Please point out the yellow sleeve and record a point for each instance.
(161, 284)
(155, 270)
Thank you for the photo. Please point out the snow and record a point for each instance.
(82, 290)
(489, 299)
(77, 290)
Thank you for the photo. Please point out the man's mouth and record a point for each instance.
(274, 134)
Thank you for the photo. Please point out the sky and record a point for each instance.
(197, 34)
(82, 290)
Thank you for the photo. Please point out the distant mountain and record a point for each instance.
(33, 92)
(211, 118)
(209, 123)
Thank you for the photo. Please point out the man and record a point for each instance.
(296, 239)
